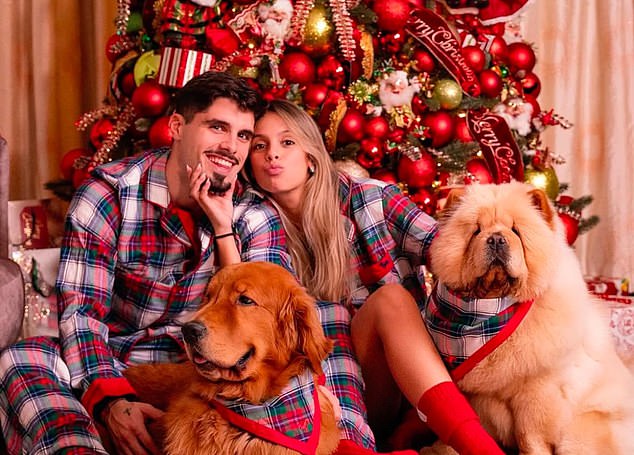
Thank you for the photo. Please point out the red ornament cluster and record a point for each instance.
(380, 95)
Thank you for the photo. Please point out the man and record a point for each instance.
(136, 257)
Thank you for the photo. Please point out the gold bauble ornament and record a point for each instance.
(448, 94)
(146, 67)
(318, 32)
(352, 168)
(545, 180)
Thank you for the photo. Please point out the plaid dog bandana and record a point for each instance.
(291, 419)
(466, 330)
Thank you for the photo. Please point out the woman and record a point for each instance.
(302, 213)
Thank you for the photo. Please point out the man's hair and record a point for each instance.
(201, 92)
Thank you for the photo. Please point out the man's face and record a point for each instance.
(218, 139)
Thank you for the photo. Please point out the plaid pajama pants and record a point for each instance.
(39, 413)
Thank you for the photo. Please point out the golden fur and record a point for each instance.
(556, 385)
(260, 329)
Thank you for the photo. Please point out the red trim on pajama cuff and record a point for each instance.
(101, 389)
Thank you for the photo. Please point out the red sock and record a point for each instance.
(452, 418)
(347, 447)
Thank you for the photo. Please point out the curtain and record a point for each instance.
(55, 69)
(585, 54)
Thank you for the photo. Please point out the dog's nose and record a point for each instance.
(497, 242)
(496, 239)
(193, 331)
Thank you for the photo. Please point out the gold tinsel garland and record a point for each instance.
(123, 16)
(298, 20)
(343, 26)
(125, 116)
(339, 10)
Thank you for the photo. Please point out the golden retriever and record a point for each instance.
(556, 384)
(256, 329)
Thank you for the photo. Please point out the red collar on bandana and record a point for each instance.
(307, 447)
(486, 349)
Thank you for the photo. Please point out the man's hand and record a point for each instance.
(125, 421)
(217, 207)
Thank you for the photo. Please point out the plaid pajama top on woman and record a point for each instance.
(389, 236)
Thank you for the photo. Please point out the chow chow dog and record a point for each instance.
(549, 381)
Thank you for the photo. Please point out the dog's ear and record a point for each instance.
(539, 199)
(308, 339)
(453, 198)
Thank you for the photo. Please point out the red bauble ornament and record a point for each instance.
(396, 135)
(477, 172)
(371, 153)
(297, 68)
(314, 95)
(377, 127)
(101, 130)
(520, 57)
(275, 92)
(79, 176)
(385, 175)
(127, 84)
(392, 43)
(531, 85)
(491, 83)
(419, 107)
(331, 73)
(462, 132)
(417, 173)
(475, 57)
(330, 104)
(441, 127)
(222, 41)
(351, 127)
(423, 61)
(150, 99)
(391, 15)
(498, 49)
(160, 134)
(114, 47)
(425, 200)
(571, 227)
(69, 161)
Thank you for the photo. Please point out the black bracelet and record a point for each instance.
(216, 237)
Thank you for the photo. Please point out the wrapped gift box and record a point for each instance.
(604, 285)
(39, 269)
(621, 319)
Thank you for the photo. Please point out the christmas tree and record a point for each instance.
(424, 94)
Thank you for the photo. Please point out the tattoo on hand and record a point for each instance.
(127, 411)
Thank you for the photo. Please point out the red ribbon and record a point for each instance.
(434, 33)
(497, 144)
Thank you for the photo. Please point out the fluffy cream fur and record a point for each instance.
(556, 385)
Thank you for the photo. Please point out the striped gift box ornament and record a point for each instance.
(179, 65)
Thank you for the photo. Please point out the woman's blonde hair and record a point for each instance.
(318, 247)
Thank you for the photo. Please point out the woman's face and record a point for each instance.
(278, 162)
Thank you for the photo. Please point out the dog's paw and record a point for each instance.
(438, 448)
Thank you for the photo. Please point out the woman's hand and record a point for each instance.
(217, 207)
(125, 421)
